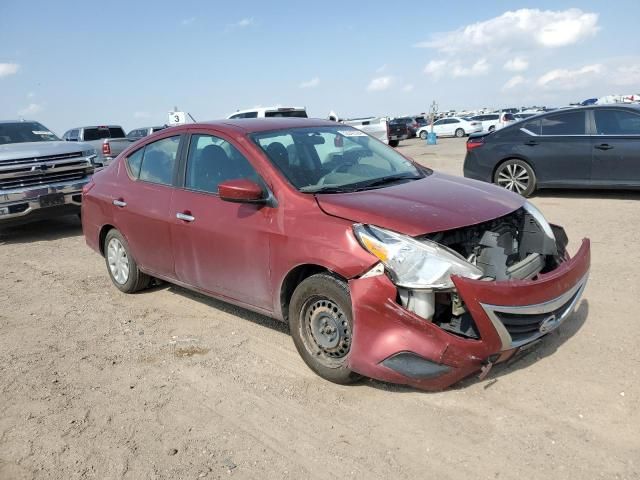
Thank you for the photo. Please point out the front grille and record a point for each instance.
(33, 172)
(524, 327)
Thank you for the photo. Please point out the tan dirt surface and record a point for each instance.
(168, 384)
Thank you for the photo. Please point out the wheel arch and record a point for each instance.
(294, 277)
(104, 230)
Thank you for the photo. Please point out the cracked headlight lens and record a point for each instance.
(415, 264)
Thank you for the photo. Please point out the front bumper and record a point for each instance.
(395, 345)
(22, 203)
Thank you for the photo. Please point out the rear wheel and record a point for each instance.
(394, 143)
(517, 176)
(424, 134)
(492, 128)
(321, 325)
(459, 133)
(122, 268)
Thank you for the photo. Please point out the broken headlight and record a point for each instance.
(414, 264)
(537, 215)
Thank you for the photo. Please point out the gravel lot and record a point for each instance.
(170, 384)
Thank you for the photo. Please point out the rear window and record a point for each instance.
(569, 123)
(98, 133)
(508, 117)
(286, 113)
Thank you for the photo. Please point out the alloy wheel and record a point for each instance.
(514, 177)
(118, 261)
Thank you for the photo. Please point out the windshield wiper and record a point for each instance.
(325, 189)
(378, 182)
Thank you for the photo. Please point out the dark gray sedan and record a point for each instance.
(584, 147)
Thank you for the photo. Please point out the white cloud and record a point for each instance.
(314, 82)
(141, 115)
(516, 64)
(187, 21)
(513, 82)
(565, 79)
(436, 68)
(481, 67)
(7, 69)
(380, 83)
(517, 29)
(30, 109)
(627, 75)
(408, 87)
(245, 22)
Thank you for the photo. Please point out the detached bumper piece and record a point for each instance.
(392, 344)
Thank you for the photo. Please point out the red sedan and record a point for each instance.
(380, 266)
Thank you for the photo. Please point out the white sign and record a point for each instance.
(177, 118)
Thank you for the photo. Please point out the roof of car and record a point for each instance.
(251, 125)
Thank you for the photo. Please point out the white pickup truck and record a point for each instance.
(108, 140)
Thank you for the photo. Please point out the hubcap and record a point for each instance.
(513, 177)
(118, 261)
(328, 328)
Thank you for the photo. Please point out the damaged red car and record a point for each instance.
(381, 267)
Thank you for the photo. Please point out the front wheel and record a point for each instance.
(517, 176)
(122, 268)
(321, 324)
(459, 133)
(424, 134)
(492, 128)
(394, 143)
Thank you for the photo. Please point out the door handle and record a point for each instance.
(531, 143)
(119, 203)
(185, 217)
(604, 146)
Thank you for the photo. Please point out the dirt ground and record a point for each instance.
(168, 384)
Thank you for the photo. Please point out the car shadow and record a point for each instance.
(588, 194)
(220, 305)
(548, 346)
(47, 230)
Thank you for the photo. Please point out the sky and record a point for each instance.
(74, 63)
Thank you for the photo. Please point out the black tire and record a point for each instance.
(517, 176)
(394, 143)
(424, 134)
(492, 128)
(322, 302)
(135, 280)
(459, 133)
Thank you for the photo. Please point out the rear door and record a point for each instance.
(219, 246)
(143, 200)
(558, 148)
(616, 147)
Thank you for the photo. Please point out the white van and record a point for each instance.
(269, 112)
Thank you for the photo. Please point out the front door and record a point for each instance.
(616, 147)
(219, 246)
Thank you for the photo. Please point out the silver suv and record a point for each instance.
(40, 175)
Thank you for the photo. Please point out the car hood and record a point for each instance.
(435, 203)
(16, 151)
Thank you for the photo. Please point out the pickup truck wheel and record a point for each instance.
(320, 322)
(424, 134)
(459, 133)
(122, 268)
(394, 143)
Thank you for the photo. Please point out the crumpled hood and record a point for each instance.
(17, 151)
(436, 203)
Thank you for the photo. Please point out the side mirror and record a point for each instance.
(241, 191)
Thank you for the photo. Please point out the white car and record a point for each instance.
(494, 121)
(268, 112)
(451, 127)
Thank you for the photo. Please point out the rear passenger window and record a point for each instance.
(616, 122)
(570, 123)
(159, 160)
(134, 161)
(212, 161)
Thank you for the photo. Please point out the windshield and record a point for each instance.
(334, 159)
(24, 132)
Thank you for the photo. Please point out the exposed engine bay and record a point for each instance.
(511, 247)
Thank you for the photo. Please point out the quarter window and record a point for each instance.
(570, 123)
(134, 162)
(159, 160)
(616, 122)
(212, 161)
